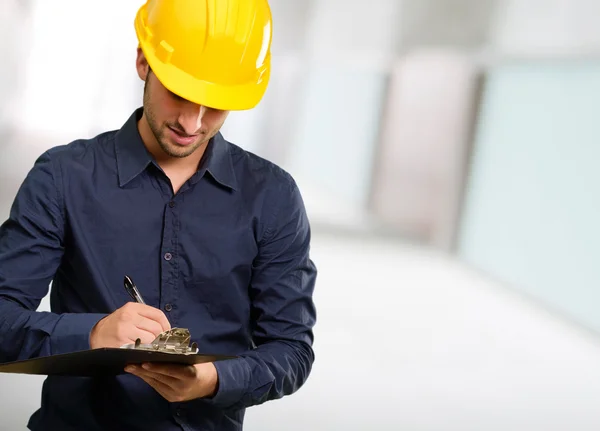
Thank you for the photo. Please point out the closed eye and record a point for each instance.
(176, 97)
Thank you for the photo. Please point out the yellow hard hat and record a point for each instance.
(216, 53)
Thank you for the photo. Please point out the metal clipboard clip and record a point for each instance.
(174, 341)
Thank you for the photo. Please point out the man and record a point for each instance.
(216, 239)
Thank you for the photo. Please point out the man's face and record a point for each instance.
(179, 126)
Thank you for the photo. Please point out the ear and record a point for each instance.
(141, 64)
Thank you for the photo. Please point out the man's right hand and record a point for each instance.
(128, 323)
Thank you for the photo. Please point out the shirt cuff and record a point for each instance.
(234, 380)
(72, 332)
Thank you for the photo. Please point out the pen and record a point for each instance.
(132, 290)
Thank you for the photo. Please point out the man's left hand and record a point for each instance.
(178, 383)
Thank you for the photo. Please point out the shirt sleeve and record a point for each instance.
(31, 248)
(283, 316)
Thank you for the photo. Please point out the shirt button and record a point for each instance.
(168, 307)
(171, 204)
(168, 256)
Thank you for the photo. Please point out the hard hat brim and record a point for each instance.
(211, 95)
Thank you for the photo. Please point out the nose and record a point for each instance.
(191, 118)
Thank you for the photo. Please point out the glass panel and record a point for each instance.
(532, 207)
(335, 141)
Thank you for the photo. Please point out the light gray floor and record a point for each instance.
(410, 341)
(407, 340)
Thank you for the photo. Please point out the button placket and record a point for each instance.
(170, 265)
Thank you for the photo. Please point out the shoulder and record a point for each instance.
(82, 150)
(254, 171)
(269, 187)
(78, 155)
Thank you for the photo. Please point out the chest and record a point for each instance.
(203, 235)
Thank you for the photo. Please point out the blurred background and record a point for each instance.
(447, 152)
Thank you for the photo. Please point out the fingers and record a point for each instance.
(127, 324)
(163, 389)
(178, 382)
(144, 336)
(155, 315)
(179, 372)
(169, 381)
(133, 333)
(171, 388)
(148, 325)
(121, 331)
(145, 318)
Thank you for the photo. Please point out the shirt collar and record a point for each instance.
(217, 162)
(133, 157)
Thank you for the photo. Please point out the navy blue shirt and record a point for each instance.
(227, 257)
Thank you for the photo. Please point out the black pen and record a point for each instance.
(132, 290)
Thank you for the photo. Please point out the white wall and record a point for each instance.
(15, 34)
(80, 79)
(546, 27)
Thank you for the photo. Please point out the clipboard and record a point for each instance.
(172, 346)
